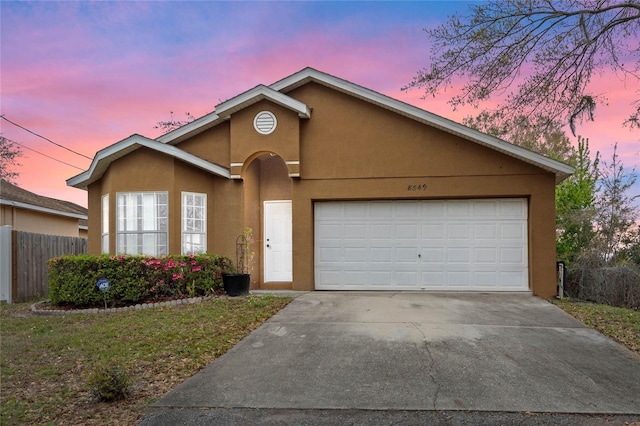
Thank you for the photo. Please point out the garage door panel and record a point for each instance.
(459, 255)
(407, 231)
(408, 209)
(485, 279)
(486, 208)
(432, 232)
(381, 210)
(513, 209)
(458, 231)
(381, 232)
(407, 278)
(356, 254)
(485, 255)
(352, 210)
(512, 231)
(378, 278)
(355, 232)
(458, 279)
(406, 254)
(512, 255)
(381, 254)
(458, 209)
(485, 231)
(432, 255)
(440, 245)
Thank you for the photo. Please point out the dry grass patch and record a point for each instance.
(46, 361)
(621, 324)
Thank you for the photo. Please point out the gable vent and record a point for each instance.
(265, 122)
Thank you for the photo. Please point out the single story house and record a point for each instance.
(344, 189)
(29, 212)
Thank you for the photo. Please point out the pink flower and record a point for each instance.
(196, 268)
(177, 276)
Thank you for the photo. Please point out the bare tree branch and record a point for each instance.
(552, 48)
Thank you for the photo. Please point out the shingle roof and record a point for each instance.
(10, 193)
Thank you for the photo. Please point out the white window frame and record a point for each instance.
(194, 222)
(104, 238)
(142, 223)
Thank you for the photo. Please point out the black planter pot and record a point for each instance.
(236, 284)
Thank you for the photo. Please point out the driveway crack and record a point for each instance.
(427, 349)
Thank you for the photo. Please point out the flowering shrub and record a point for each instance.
(133, 279)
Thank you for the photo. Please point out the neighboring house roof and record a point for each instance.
(12, 195)
(277, 93)
(105, 156)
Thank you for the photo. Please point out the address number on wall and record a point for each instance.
(417, 187)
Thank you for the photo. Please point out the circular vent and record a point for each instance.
(265, 122)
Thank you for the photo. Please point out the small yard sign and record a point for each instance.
(103, 284)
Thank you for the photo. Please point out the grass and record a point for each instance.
(46, 360)
(620, 324)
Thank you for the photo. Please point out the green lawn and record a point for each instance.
(45, 360)
(622, 325)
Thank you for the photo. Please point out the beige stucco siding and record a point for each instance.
(26, 220)
(211, 145)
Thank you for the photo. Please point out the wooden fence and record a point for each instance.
(29, 255)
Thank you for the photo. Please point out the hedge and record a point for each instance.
(133, 279)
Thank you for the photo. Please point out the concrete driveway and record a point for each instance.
(491, 352)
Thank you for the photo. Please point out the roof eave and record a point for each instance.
(41, 209)
(258, 93)
(106, 156)
(191, 129)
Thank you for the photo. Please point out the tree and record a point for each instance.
(549, 49)
(575, 205)
(616, 214)
(539, 134)
(173, 123)
(9, 154)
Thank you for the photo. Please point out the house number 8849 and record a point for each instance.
(418, 187)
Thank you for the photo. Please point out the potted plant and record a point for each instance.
(238, 282)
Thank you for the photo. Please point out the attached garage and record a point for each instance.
(464, 245)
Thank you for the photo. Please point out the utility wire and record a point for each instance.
(48, 156)
(46, 139)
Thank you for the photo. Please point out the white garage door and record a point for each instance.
(464, 245)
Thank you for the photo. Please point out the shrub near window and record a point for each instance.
(133, 279)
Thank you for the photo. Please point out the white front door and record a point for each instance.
(277, 241)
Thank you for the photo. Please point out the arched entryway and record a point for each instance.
(267, 201)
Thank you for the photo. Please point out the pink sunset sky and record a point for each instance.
(88, 74)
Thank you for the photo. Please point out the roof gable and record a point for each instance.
(258, 93)
(106, 156)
